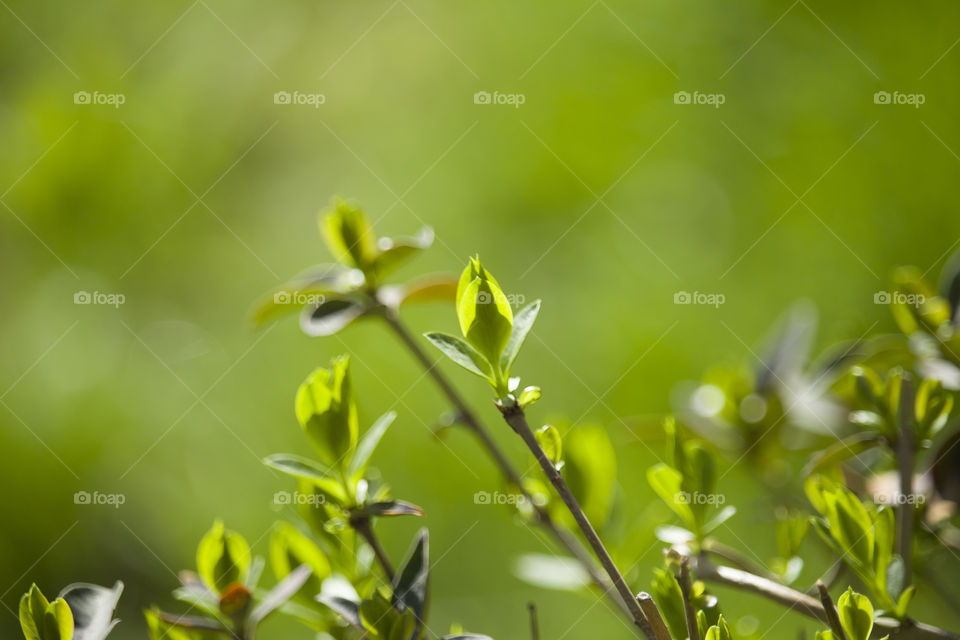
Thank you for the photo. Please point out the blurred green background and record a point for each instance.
(599, 194)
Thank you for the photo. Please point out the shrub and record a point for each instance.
(885, 414)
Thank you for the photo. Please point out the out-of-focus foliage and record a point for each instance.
(98, 398)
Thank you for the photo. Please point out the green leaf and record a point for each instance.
(377, 616)
(58, 621)
(395, 252)
(327, 413)
(590, 469)
(307, 288)
(528, 396)
(368, 444)
(725, 514)
(41, 619)
(411, 583)
(719, 631)
(387, 509)
(223, 557)
(824, 635)
(522, 323)
(348, 609)
(895, 577)
(461, 353)
(484, 313)
(349, 235)
(856, 615)
(667, 483)
(290, 549)
(848, 447)
(33, 605)
(792, 528)
(669, 599)
(903, 602)
(318, 475)
(283, 591)
(330, 316)
(549, 440)
(431, 288)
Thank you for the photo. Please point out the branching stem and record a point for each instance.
(365, 529)
(831, 610)
(810, 606)
(906, 454)
(518, 422)
(543, 518)
(686, 589)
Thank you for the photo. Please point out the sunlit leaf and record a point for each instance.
(856, 615)
(462, 353)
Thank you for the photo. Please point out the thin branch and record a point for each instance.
(811, 607)
(686, 588)
(733, 556)
(650, 610)
(831, 610)
(543, 518)
(906, 454)
(534, 625)
(365, 529)
(515, 418)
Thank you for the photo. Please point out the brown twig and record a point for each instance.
(660, 630)
(831, 610)
(365, 529)
(811, 607)
(534, 625)
(518, 422)
(686, 588)
(905, 454)
(470, 420)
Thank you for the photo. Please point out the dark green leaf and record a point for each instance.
(330, 316)
(411, 584)
(348, 609)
